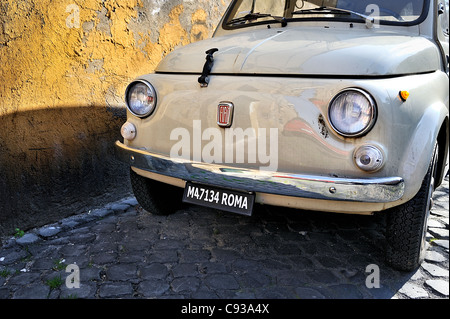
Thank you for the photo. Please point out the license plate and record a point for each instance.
(219, 198)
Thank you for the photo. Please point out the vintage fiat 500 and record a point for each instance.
(333, 105)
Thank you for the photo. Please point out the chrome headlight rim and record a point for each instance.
(153, 92)
(368, 126)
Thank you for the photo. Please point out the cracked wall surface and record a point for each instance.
(64, 69)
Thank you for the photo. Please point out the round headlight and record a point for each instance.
(352, 113)
(141, 98)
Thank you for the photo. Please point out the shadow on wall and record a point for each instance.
(58, 162)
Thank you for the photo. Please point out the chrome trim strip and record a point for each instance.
(370, 190)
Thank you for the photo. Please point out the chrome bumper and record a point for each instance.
(370, 190)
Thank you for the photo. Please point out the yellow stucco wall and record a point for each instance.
(64, 67)
(82, 53)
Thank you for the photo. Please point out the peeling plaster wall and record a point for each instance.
(64, 69)
(58, 53)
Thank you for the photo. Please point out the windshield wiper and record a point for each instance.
(256, 16)
(367, 18)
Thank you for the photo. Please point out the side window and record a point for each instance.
(444, 17)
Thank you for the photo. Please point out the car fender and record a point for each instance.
(419, 151)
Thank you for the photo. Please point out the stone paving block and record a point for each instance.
(11, 256)
(440, 233)
(70, 223)
(49, 231)
(136, 257)
(122, 272)
(73, 250)
(168, 244)
(4, 293)
(130, 201)
(435, 270)
(163, 256)
(154, 271)
(441, 286)
(86, 291)
(116, 290)
(435, 223)
(441, 213)
(221, 282)
(220, 254)
(153, 288)
(102, 212)
(28, 239)
(118, 206)
(90, 273)
(185, 284)
(441, 242)
(445, 222)
(185, 270)
(104, 258)
(134, 245)
(256, 280)
(188, 256)
(418, 275)
(24, 279)
(435, 256)
(34, 291)
(413, 291)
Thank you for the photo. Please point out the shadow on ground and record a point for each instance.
(55, 162)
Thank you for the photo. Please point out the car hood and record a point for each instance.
(309, 51)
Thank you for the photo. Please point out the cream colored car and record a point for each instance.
(339, 106)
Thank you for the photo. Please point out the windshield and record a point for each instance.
(250, 12)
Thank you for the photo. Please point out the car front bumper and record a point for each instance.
(368, 190)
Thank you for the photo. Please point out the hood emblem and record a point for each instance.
(225, 114)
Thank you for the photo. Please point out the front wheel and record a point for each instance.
(156, 197)
(407, 224)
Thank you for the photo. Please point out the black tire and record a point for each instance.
(407, 225)
(156, 197)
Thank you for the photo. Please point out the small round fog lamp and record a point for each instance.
(128, 131)
(369, 158)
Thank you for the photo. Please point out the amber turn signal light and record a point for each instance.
(404, 95)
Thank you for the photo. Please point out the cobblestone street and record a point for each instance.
(122, 251)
